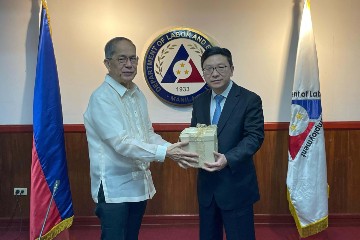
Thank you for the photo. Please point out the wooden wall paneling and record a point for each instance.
(271, 168)
(79, 173)
(176, 187)
(353, 156)
(343, 167)
(15, 163)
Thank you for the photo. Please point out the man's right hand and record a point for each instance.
(180, 156)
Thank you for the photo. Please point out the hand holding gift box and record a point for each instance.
(202, 140)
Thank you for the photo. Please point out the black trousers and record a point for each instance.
(238, 223)
(119, 221)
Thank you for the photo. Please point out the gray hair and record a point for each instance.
(111, 46)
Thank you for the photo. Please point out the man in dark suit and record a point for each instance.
(228, 188)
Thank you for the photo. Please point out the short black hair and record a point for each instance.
(111, 46)
(214, 51)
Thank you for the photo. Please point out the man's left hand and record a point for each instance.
(220, 163)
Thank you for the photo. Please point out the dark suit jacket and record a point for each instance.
(240, 134)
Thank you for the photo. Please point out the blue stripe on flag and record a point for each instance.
(313, 107)
(48, 121)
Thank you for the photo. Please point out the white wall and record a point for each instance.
(261, 34)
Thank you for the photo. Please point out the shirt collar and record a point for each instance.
(120, 88)
(225, 93)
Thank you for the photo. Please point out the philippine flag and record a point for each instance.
(51, 209)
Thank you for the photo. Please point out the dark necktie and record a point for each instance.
(218, 99)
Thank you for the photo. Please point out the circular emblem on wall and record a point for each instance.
(172, 65)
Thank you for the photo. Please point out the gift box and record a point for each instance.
(202, 140)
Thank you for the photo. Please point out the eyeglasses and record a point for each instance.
(124, 59)
(209, 70)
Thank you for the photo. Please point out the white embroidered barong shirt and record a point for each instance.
(122, 143)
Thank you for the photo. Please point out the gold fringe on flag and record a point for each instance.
(58, 228)
(44, 3)
(310, 229)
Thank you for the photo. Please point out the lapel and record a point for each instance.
(206, 108)
(231, 102)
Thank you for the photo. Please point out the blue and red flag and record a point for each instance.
(48, 153)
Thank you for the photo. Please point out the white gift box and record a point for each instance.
(202, 140)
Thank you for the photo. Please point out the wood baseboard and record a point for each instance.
(335, 220)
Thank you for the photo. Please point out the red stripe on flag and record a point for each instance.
(40, 201)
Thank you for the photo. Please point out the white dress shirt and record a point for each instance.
(122, 143)
(222, 103)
